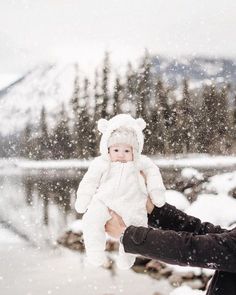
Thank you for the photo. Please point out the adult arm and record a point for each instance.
(214, 251)
(169, 217)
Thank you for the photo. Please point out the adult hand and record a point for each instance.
(115, 226)
(149, 206)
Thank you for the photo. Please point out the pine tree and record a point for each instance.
(90, 144)
(207, 132)
(26, 144)
(43, 149)
(174, 125)
(105, 78)
(156, 122)
(84, 123)
(223, 125)
(117, 97)
(62, 147)
(233, 121)
(75, 109)
(131, 88)
(98, 101)
(144, 88)
(163, 117)
(144, 96)
(187, 128)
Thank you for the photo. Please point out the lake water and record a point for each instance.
(40, 207)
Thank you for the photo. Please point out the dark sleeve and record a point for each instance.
(214, 251)
(169, 217)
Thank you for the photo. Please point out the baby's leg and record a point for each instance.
(126, 260)
(94, 221)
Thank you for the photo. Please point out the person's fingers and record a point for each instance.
(111, 212)
(116, 218)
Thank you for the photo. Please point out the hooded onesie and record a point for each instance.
(118, 186)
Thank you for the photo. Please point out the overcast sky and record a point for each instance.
(32, 31)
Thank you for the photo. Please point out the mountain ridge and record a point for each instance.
(51, 85)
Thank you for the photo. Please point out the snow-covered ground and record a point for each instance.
(185, 290)
(26, 270)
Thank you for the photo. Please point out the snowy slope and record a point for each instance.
(46, 85)
(51, 85)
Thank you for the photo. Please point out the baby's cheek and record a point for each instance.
(130, 157)
(112, 158)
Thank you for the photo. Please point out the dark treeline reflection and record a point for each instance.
(52, 189)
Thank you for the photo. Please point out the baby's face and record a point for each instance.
(121, 153)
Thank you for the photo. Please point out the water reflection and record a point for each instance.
(59, 192)
(39, 203)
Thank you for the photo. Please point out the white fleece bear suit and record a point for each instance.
(118, 186)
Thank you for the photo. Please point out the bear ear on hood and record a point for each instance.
(141, 123)
(102, 125)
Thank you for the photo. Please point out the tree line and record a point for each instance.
(199, 120)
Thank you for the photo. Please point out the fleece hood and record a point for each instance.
(107, 127)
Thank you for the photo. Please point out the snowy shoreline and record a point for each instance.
(199, 161)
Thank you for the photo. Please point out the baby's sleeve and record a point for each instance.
(154, 181)
(89, 184)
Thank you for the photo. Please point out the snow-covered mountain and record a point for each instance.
(51, 85)
(46, 85)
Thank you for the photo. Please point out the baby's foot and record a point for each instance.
(125, 261)
(96, 258)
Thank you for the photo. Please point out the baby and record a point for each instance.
(115, 181)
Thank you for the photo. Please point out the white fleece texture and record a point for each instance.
(120, 187)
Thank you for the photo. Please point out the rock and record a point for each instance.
(175, 280)
(71, 240)
(232, 192)
(141, 261)
(112, 246)
(109, 264)
(195, 284)
(166, 271)
(155, 275)
(189, 275)
(154, 265)
(139, 268)
(191, 187)
(74, 241)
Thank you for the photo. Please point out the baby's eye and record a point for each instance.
(127, 151)
(116, 150)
